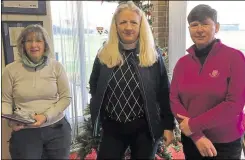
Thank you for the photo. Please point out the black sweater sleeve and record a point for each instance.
(164, 101)
(94, 76)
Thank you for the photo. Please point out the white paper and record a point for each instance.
(14, 33)
(21, 4)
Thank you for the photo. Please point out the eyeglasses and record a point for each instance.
(32, 41)
(197, 25)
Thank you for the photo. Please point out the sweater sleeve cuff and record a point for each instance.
(196, 136)
(194, 126)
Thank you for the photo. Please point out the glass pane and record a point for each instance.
(96, 14)
(231, 19)
(97, 21)
(75, 23)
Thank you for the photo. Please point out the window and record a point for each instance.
(79, 29)
(231, 19)
(97, 20)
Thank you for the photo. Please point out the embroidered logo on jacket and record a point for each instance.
(214, 74)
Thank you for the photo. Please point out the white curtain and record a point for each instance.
(68, 30)
(76, 42)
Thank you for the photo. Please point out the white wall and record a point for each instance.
(177, 32)
(6, 131)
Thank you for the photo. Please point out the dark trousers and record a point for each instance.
(117, 137)
(51, 142)
(231, 150)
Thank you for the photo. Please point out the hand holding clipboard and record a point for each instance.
(18, 119)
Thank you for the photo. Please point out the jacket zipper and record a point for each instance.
(143, 93)
(97, 118)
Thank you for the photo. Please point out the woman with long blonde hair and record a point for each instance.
(130, 89)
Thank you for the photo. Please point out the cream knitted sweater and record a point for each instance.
(42, 90)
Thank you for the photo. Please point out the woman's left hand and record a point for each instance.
(40, 119)
(168, 136)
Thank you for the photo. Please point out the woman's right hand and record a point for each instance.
(206, 147)
(15, 126)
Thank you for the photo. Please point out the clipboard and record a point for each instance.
(17, 118)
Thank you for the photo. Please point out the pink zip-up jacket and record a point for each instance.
(212, 95)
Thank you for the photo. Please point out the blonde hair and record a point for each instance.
(110, 55)
(40, 32)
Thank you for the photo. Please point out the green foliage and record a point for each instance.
(87, 111)
(86, 138)
(164, 52)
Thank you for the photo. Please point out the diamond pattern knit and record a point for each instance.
(123, 100)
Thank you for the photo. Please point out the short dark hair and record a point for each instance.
(201, 12)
